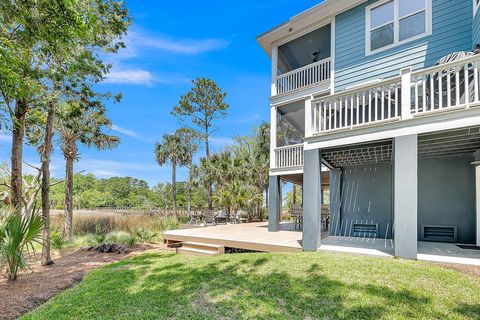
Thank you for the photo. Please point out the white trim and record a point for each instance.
(332, 56)
(285, 171)
(396, 25)
(274, 70)
(417, 125)
(476, 5)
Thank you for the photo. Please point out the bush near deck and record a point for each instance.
(268, 286)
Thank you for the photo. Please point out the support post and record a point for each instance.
(312, 203)
(274, 203)
(406, 74)
(273, 135)
(405, 196)
(335, 201)
(274, 70)
(477, 195)
(308, 116)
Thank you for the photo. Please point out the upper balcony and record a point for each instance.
(302, 63)
(442, 97)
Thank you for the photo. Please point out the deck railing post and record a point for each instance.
(308, 116)
(406, 74)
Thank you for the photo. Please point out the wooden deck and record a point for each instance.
(250, 236)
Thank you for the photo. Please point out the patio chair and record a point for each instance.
(209, 217)
(297, 216)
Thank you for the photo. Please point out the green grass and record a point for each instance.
(268, 286)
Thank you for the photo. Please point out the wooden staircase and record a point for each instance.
(200, 249)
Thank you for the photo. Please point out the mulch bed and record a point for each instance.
(34, 289)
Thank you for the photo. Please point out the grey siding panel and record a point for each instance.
(366, 197)
(446, 195)
(452, 31)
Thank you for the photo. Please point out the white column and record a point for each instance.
(274, 70)
(406, 92)
(308, 116)
(273, 135)
(405, 196)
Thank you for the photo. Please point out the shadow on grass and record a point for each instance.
(164, 285)
(223, 288)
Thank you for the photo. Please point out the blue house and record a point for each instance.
(382, 95)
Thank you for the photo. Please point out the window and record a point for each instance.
(476, 4)
(392, 22)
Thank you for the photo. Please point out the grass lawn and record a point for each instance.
(268, 286)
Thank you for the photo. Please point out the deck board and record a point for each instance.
(250, 236)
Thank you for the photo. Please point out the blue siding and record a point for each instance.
(476, 29)
(452, 31)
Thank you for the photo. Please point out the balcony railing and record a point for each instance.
(452, 85)
(448, 86)
(289, 156)
(308, 75)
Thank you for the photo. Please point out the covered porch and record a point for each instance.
(413, 196)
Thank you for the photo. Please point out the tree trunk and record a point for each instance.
(17, 154)
(68, 205)
(45, 158)
(294, 198)
(174, 186)
(189, 198)
(209, 187)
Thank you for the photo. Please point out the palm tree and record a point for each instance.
(89, 127)
(176, 149)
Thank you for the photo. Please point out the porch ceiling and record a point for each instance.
(456, 142)
(359, 154)
(430, 145)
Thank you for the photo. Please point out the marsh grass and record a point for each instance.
(104, 223)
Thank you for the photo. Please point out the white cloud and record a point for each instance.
(185, 46)
(247, 119)
(130, 76)
(221, 141)
(130, 133)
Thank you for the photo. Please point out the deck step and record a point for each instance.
(200, 249)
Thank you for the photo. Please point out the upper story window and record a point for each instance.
(393, 22)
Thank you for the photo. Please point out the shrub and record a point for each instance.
(99, 238)
(145, 235)
(131, 240)
(18, 234)
(57, 240)
(117, 237)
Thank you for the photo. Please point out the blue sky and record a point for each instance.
(168, 44)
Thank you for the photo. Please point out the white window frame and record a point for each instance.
(476, 5)
(396, 25)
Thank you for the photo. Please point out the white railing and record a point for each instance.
(363, 105)
(289, 156)
(308, 75)
(436, 89)
(450, 85)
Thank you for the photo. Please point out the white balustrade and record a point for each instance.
(436, 89)
(451, 85)
(308, 75)
(289, 156)
(356, 107)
